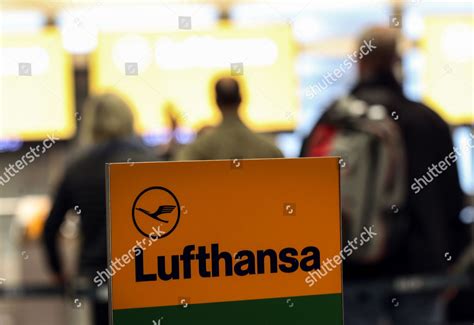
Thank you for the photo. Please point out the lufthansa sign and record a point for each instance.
(224, 242)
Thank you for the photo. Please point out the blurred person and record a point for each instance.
(230, 139)
(432, 212)
(168, 151)
(106, 135)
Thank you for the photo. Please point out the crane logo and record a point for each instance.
(156, 207)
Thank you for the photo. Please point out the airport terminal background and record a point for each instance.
(295, 44)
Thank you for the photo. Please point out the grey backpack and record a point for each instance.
(373, 174)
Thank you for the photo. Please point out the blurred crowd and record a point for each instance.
(383, 156)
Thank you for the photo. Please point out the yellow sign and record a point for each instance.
(231, 239)
(448, 67)
(37, 97)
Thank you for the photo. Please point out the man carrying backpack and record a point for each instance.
(386, 141)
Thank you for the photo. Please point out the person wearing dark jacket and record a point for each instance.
(106, 136)
(433, 210)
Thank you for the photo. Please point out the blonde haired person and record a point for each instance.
(106, 135)
(105, 117)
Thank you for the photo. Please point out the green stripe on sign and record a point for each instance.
(322, 309)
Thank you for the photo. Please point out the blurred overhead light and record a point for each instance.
(21, 21)
(208, 51)
(78, 31)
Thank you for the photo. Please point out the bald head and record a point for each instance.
(227, 94)
(383, 58)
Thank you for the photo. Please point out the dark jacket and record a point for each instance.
(433, 213)
(83, 185)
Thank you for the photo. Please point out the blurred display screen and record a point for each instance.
(174, 74)
(36, 87)
(447, 77)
